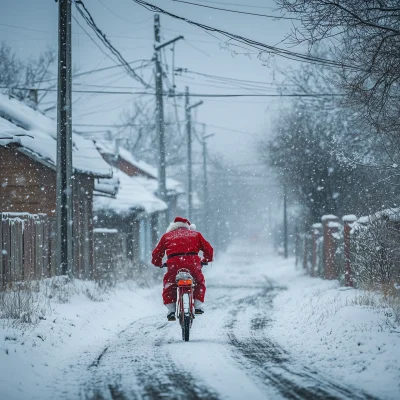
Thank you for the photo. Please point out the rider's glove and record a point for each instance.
(204, 262)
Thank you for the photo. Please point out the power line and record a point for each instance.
(234, 11)
(92, 71)
(225, 78)
(224, 128)
(180, 94)
(234, 83)
(25, 29)
(85, 14)
(236, 4)
(96, 44)
(262, 47)
(167, 123)
(119, 16)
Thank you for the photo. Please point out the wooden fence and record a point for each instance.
(28, 250)
(364, 251)
(27, 244)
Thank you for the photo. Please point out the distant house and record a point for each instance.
(123, 160)
(134, 212)
(28, 174)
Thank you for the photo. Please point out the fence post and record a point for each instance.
(5, 225)
(1, 253)
(330, 226)
(316, 234)
(305, 254)
(296, 247)
(28, 249)
(347, 222)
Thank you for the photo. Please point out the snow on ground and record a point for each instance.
(338, 331)
(268, 332)
(40, 361)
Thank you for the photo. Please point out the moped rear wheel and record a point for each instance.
(186, 327)
(186, 320)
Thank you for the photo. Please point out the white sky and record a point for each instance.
(31, 26)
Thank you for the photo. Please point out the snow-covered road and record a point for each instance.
(269, 332)
(230, 355)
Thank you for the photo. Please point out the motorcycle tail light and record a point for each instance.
(185, 282)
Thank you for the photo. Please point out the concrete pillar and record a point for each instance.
(316, 234)
(330, 227)
(348, 220)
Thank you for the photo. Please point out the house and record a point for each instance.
(123, 160)
(28, 174)
(133, 212)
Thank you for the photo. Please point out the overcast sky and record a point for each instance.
(31, 26)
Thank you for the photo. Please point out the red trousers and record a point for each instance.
(169, 292)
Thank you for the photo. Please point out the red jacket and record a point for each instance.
(182, 240)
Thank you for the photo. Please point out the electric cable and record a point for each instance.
(234, 11)
(262, 47)
(85, 14)
(181, 94)
(236, 4)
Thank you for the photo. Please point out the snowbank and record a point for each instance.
(41, 360)
(343, 332)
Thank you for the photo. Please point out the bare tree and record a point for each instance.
(138, 132)
(24, 78)
(9, 66)
(308, 139)
(364, 36)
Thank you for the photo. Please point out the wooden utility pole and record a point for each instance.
(285, 223)
(205, 184)
(189, 152)
(205, 178)
(64, 209)
(159, 113)
(162, 185)
(162, 175)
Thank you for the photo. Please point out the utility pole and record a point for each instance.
(162, 176)
(64, 189)
(189, 151)
(205, 177)
(162, 185)
(189, 154)
(285, 222)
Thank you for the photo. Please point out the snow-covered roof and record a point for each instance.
(105, 230)
(174, 187)
(132, 195)
(36, 136)
(144, 166)
(106, 186)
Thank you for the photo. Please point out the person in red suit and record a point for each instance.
(182, 244)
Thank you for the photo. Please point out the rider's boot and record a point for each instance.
(198, 307)
(171, 316)
(171, 311)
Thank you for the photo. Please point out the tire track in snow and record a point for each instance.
(138, 366)
(272, 364)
